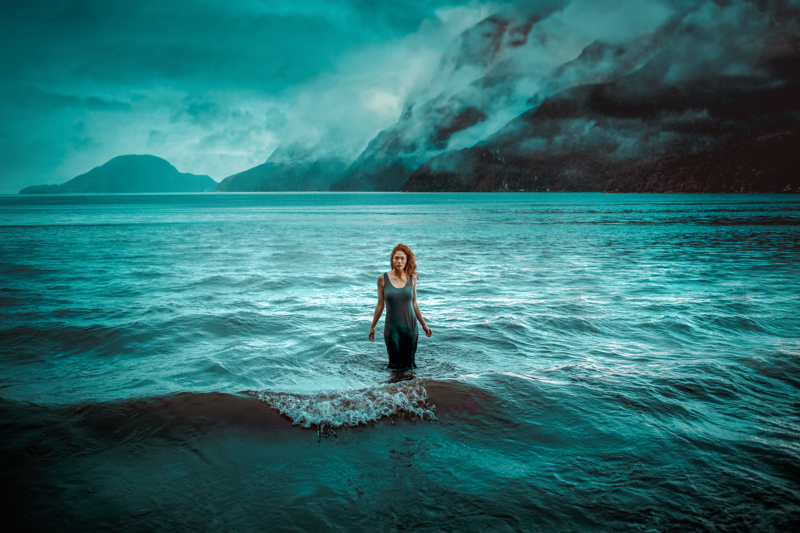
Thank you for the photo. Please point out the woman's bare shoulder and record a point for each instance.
(380, 279)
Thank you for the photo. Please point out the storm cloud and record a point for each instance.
(219, 89)
(713, 81)
(212, 88)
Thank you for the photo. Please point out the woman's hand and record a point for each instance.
(372, 334)
(428, 331)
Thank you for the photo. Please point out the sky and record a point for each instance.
(214, 88)
(211, 87)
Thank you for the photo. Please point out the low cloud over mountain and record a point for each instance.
(291, 168)
(533, 95)
(710, 77)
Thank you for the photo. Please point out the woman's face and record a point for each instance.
(399, 260)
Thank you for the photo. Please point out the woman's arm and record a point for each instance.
(378, 309)
(427, 330)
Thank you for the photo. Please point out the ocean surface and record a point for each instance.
(598, 362)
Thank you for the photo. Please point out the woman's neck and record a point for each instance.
(398, 273)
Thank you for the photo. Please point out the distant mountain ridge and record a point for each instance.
(130, 174)
(291, 168)
(700, 103)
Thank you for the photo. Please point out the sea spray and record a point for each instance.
(406, 399)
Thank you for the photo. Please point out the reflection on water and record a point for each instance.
(598, 362)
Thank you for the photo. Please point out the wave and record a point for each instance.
(182, 416)
(405, 399)
(24, 342)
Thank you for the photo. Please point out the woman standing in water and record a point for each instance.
(398, 289)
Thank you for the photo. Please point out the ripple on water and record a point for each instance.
(599, 362)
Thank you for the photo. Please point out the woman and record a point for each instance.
(398, 289)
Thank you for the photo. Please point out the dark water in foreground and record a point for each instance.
(599, 362)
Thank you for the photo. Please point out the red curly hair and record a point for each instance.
(411, 263)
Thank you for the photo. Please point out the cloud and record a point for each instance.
(233, 80)
(215, 88)
(28, 98)
(489, 72)
(265, 45)
(83, 143)
(199, 112)
(714, 74)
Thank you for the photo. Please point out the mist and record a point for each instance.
(381, 89)
(214, 90)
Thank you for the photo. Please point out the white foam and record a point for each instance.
(405, 399)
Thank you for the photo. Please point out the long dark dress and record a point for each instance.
(400, 328)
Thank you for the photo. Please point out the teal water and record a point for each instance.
(599, 362)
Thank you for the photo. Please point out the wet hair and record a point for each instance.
(411, 263)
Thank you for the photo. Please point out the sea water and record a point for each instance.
(598, 362)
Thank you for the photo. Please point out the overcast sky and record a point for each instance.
(214, 87)
(210, 86)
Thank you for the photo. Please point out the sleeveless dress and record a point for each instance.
(400, 328)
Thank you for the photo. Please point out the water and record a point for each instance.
(599, 362)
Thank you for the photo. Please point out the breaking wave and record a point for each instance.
(406, 399)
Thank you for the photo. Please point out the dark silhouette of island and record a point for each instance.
(292, 168)
(130, 174)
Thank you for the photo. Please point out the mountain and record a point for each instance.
(710, 79)
(770, 163)
(293, 168)
(703, 98)
(676, 117)
(130, 174)
(461, 116)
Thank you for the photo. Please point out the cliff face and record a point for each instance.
(130, 174)
(427, 128)
(394, 153)
(600, 136)
(770, 163)
(702, 94)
